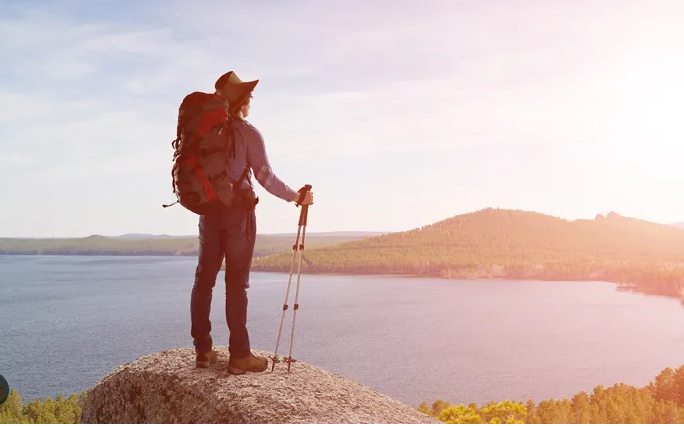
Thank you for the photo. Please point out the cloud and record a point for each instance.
(357, 72)
(94, 91)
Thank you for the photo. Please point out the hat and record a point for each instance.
(234, 90)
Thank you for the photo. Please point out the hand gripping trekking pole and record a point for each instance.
(296, 249)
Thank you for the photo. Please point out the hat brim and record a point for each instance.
(246, 88)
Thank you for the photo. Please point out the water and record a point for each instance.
(68, 321)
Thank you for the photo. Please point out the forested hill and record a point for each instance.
(512, 244)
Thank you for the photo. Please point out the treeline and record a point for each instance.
(49, 411)
(648, 278)
(97, 245)
(661, 402)
(514, 245)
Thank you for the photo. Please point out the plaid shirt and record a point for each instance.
(250, 150)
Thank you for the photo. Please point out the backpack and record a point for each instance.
(204, 136)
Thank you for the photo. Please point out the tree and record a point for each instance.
(460, 414)
(664, 388)
(581, 408)
(504, 412)
(425, 409)
(439, 406)
(11, 410)
(59, 410)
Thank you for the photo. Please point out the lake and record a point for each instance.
(67, 321)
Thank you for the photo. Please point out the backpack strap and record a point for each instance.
(244, 175)
(194, 164)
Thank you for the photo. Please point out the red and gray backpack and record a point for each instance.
(203, 140)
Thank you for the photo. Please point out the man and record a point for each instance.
(232, 233)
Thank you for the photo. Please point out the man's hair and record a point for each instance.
(233, 109)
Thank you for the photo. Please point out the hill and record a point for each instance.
(142, 245)
(498, 243)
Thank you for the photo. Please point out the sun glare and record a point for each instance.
(647, 97)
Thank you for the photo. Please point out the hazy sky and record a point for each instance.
(399, 113)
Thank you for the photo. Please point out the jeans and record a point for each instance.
(230, 235)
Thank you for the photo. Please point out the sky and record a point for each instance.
(398, 113)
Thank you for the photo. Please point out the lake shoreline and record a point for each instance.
(670, 291)
(631, 287)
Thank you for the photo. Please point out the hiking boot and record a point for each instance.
(204, 359)
(252, 364)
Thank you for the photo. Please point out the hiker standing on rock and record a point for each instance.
(232, 232)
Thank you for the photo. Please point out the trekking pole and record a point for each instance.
(302, 222)
(296, 249)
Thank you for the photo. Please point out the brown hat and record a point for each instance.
(234, 90)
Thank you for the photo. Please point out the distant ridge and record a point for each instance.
(138, 237)
(349, 234)
(138, 244)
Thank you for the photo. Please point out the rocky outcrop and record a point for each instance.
(167, 388)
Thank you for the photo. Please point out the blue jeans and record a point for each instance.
(231, 235)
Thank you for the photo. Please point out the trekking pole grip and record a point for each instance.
(303, 215)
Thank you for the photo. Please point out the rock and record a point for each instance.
(167, 388)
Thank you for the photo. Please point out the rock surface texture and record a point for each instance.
(167, 388)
